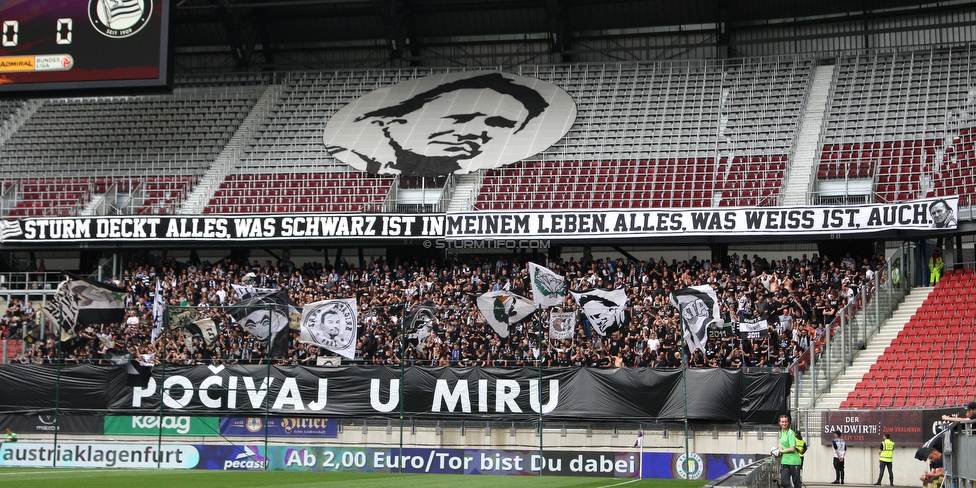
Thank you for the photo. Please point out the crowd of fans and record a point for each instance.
(797, 297)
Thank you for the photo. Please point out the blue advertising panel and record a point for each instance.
(669, 465)
(279, 427)
(452, 461)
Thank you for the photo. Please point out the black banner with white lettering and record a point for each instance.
(230, 228)
(586, 224)
(918, 215)
(639, 394)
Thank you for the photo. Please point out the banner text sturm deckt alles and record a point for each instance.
(237, 228)
(497, 226)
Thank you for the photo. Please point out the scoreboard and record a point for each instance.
(53, 45)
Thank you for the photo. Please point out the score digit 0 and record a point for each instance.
(10, 29)
(11, 32)
(64, 31)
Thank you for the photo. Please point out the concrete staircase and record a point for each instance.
(797, 186)
(199, 198)
(465, 193)
(846, 382)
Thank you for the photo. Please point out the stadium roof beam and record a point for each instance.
(233, 32)
(400, 27)
(558, 31)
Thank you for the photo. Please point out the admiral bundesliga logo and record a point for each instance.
(119, 18)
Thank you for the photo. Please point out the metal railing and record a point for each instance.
(761, 473)
(834, 349)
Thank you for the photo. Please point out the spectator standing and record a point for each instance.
(970, 414)
(10, 436)
(840, 450)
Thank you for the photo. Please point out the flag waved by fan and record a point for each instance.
(606, 310)
(548, 288)
(699, 308)
(418, 324)
(265, 317)
(562, 325)
(82, 301)
(332, 324)
(502, 309)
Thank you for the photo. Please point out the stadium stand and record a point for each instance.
(664, 134)
(703, 133)
(938, 372)
(150, 148)
(650, 339)
(901, 122)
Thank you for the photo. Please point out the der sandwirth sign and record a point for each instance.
(450, 123)
(356, 391)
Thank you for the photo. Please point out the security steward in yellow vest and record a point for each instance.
(886, 455)
(801, 447)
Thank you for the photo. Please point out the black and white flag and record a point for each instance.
(265, 317)
(699, 309)
(418, 324)
(332, 324)
(245, 292)
(502, 309)
(62, 309)
(548, 288)
(606, 310)
(9, 229)
(81, 301)
(562, 325)
(157, 311)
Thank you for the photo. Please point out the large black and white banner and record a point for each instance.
(698, 308)
(920, 215)
(457, 393)
(231, 228)
(587, 224)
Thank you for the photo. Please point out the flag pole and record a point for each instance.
(684, 386)
(57, 384)
(403, 356)
(640, 459)
(539, 321)
(271, 308)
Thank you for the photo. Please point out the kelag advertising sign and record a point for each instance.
(171, 425)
